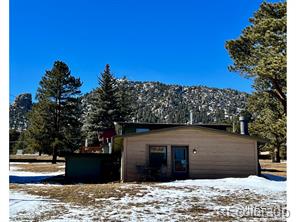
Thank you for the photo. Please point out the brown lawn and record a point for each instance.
(38, 167)
(81, 194)
(98, 196)
(278, 169)
(33, 156)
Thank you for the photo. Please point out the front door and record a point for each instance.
(180, 162)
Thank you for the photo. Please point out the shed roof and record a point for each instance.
(155, 126)
(197, 127)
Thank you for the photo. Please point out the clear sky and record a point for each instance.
(169, 41)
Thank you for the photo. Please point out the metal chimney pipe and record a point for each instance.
(243, 125)
(191, 117)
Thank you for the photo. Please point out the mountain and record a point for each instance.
(156, 102)
(18, 111)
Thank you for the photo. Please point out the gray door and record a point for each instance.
(180, 162)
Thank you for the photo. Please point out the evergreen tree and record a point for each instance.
(261, 50)
(109, 109)
(13, 137)
(150, 101)
(269, 122)
(104, 107)
(21, 144)
(260, 53)
(91, 117)
(54, 122)
(125, 99)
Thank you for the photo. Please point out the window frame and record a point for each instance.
(164, 162)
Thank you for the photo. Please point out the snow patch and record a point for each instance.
(188, 200)
(31, 177)
(257, 184)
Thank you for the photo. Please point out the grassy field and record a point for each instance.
(38, 167)
(33, 156)
(278, 169)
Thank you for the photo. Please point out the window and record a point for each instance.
(157, 156)
(141, 130)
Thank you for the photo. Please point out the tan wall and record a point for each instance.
(218, 155)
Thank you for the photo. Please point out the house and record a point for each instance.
(161, 151)
(179, 151)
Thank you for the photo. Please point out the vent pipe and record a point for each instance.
(191, 117)
(243, 125)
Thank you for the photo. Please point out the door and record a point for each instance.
(180, 162)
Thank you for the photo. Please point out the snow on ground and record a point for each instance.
(25, 207)
(189, 200)
(20, 202)
(273, 177)
(28, 174)
(16, 176)
(198, 199)
(257, 184)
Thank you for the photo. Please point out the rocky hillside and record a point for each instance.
(157, 102)
(18, 111)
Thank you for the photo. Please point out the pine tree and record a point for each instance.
(269, 122)
(13, 137)
(91, 117)
(104, 108)
(109, 109)
(125, 99)
(54, 122)
(261, 53)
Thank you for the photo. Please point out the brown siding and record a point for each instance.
(218, 155)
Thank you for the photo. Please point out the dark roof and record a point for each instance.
(169, 125)
(197, 127)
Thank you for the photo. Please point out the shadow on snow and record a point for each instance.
(273, 177)
(30, 179)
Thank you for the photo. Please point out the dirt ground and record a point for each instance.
(278, 169)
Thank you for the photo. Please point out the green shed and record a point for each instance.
(91, 167)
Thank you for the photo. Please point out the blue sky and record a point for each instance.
(171, 41)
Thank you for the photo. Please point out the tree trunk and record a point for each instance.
(279, 94)
(54, 155)
(276, 155)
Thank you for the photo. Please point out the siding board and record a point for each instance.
(217, 154)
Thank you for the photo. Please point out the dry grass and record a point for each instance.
(278, 169)
(39, 167)
(83, 195)
(32, 157)
(51, 214)
(54, 212)
(98, 195)
(243, 197)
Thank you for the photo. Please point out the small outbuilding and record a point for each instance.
(188, 151)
